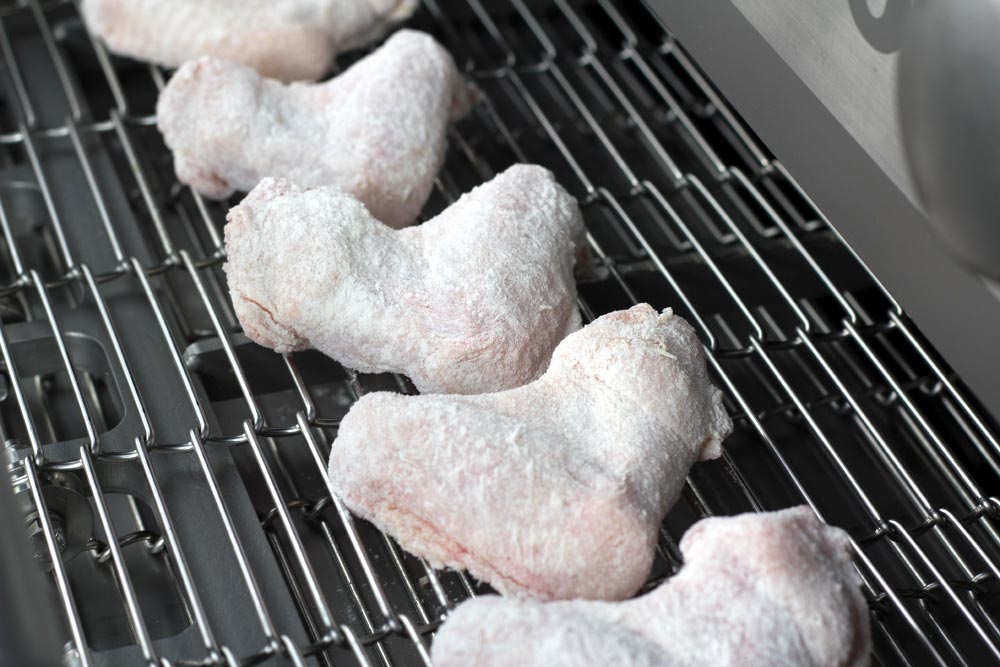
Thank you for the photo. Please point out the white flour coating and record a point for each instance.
(756, 590)
(377, 131)
(472, 301)
(553, 490)
(289, 40)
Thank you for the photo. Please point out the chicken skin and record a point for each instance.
(553, 490)
(756, 590)
(288, 40)
(474, 300)
(377, 131)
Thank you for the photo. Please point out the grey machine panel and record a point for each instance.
(815, 80)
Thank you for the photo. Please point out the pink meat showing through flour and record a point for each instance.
(289, 40)
(756, 590)
(552, 490)
(474, 300)
(377, 131)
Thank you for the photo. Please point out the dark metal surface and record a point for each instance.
(949, 102)
(203, 456)
(30, 634)
(953, 305)
(845, 53)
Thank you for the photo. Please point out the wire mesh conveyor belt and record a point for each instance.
(207, 533)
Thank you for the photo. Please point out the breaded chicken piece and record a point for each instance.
(553, 490)
(472, 301)
(377, 131)
(289, 40)
(756, 590)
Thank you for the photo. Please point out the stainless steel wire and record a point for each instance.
(839, 401)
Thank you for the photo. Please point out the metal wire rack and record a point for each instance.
(210, 536)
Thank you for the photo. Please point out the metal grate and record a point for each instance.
(201, 456)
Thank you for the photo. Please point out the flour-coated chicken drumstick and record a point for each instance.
(289, 40)
(471, 301)
(377, 131)
(756, 590)
(552, 490)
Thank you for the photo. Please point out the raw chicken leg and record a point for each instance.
(377, 131)
(552, 490)
(284, 39)
(756, 590)
(474, 300)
